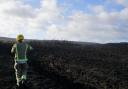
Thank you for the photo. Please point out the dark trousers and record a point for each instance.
(20, 71)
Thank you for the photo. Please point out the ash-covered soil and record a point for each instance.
(69, 65)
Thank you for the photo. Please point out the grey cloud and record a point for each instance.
(18, 9)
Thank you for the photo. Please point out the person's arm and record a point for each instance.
(30, 47)
(13, 48)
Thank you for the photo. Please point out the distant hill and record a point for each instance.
(6, 39)
(69, 65)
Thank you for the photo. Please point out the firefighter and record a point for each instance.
(20, 48)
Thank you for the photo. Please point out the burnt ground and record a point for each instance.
(69, 65)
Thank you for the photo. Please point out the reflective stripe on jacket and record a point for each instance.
(20, 50)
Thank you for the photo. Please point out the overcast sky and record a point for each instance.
(76, 20)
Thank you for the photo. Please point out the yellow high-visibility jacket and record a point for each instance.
(20, 50)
